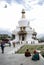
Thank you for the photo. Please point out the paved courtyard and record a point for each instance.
(10, 58)
(18, 59)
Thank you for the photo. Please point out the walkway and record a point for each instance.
(12, 50)
(18, 59)
(10, 58)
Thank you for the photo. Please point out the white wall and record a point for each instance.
(23, 22)
(17, 37)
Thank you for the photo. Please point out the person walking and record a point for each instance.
(2, 46)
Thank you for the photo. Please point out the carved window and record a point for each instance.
(22, 28)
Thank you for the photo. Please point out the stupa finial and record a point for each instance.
(23, 13)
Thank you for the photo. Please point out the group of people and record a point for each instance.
(35, 56)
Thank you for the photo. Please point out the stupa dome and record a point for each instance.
(23, 22)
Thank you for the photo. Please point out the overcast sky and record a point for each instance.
(11, 14)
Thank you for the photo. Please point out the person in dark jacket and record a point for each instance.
(2, 46)
(27, 53)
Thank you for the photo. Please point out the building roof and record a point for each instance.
(22, 32)
(34, 33)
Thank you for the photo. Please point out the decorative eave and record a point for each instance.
(34, 33)
(22, 32)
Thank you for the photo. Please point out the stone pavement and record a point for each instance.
(10, 50)
(14, 49)
(18, 59)
(10, 58)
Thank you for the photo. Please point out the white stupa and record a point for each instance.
(24, 33)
